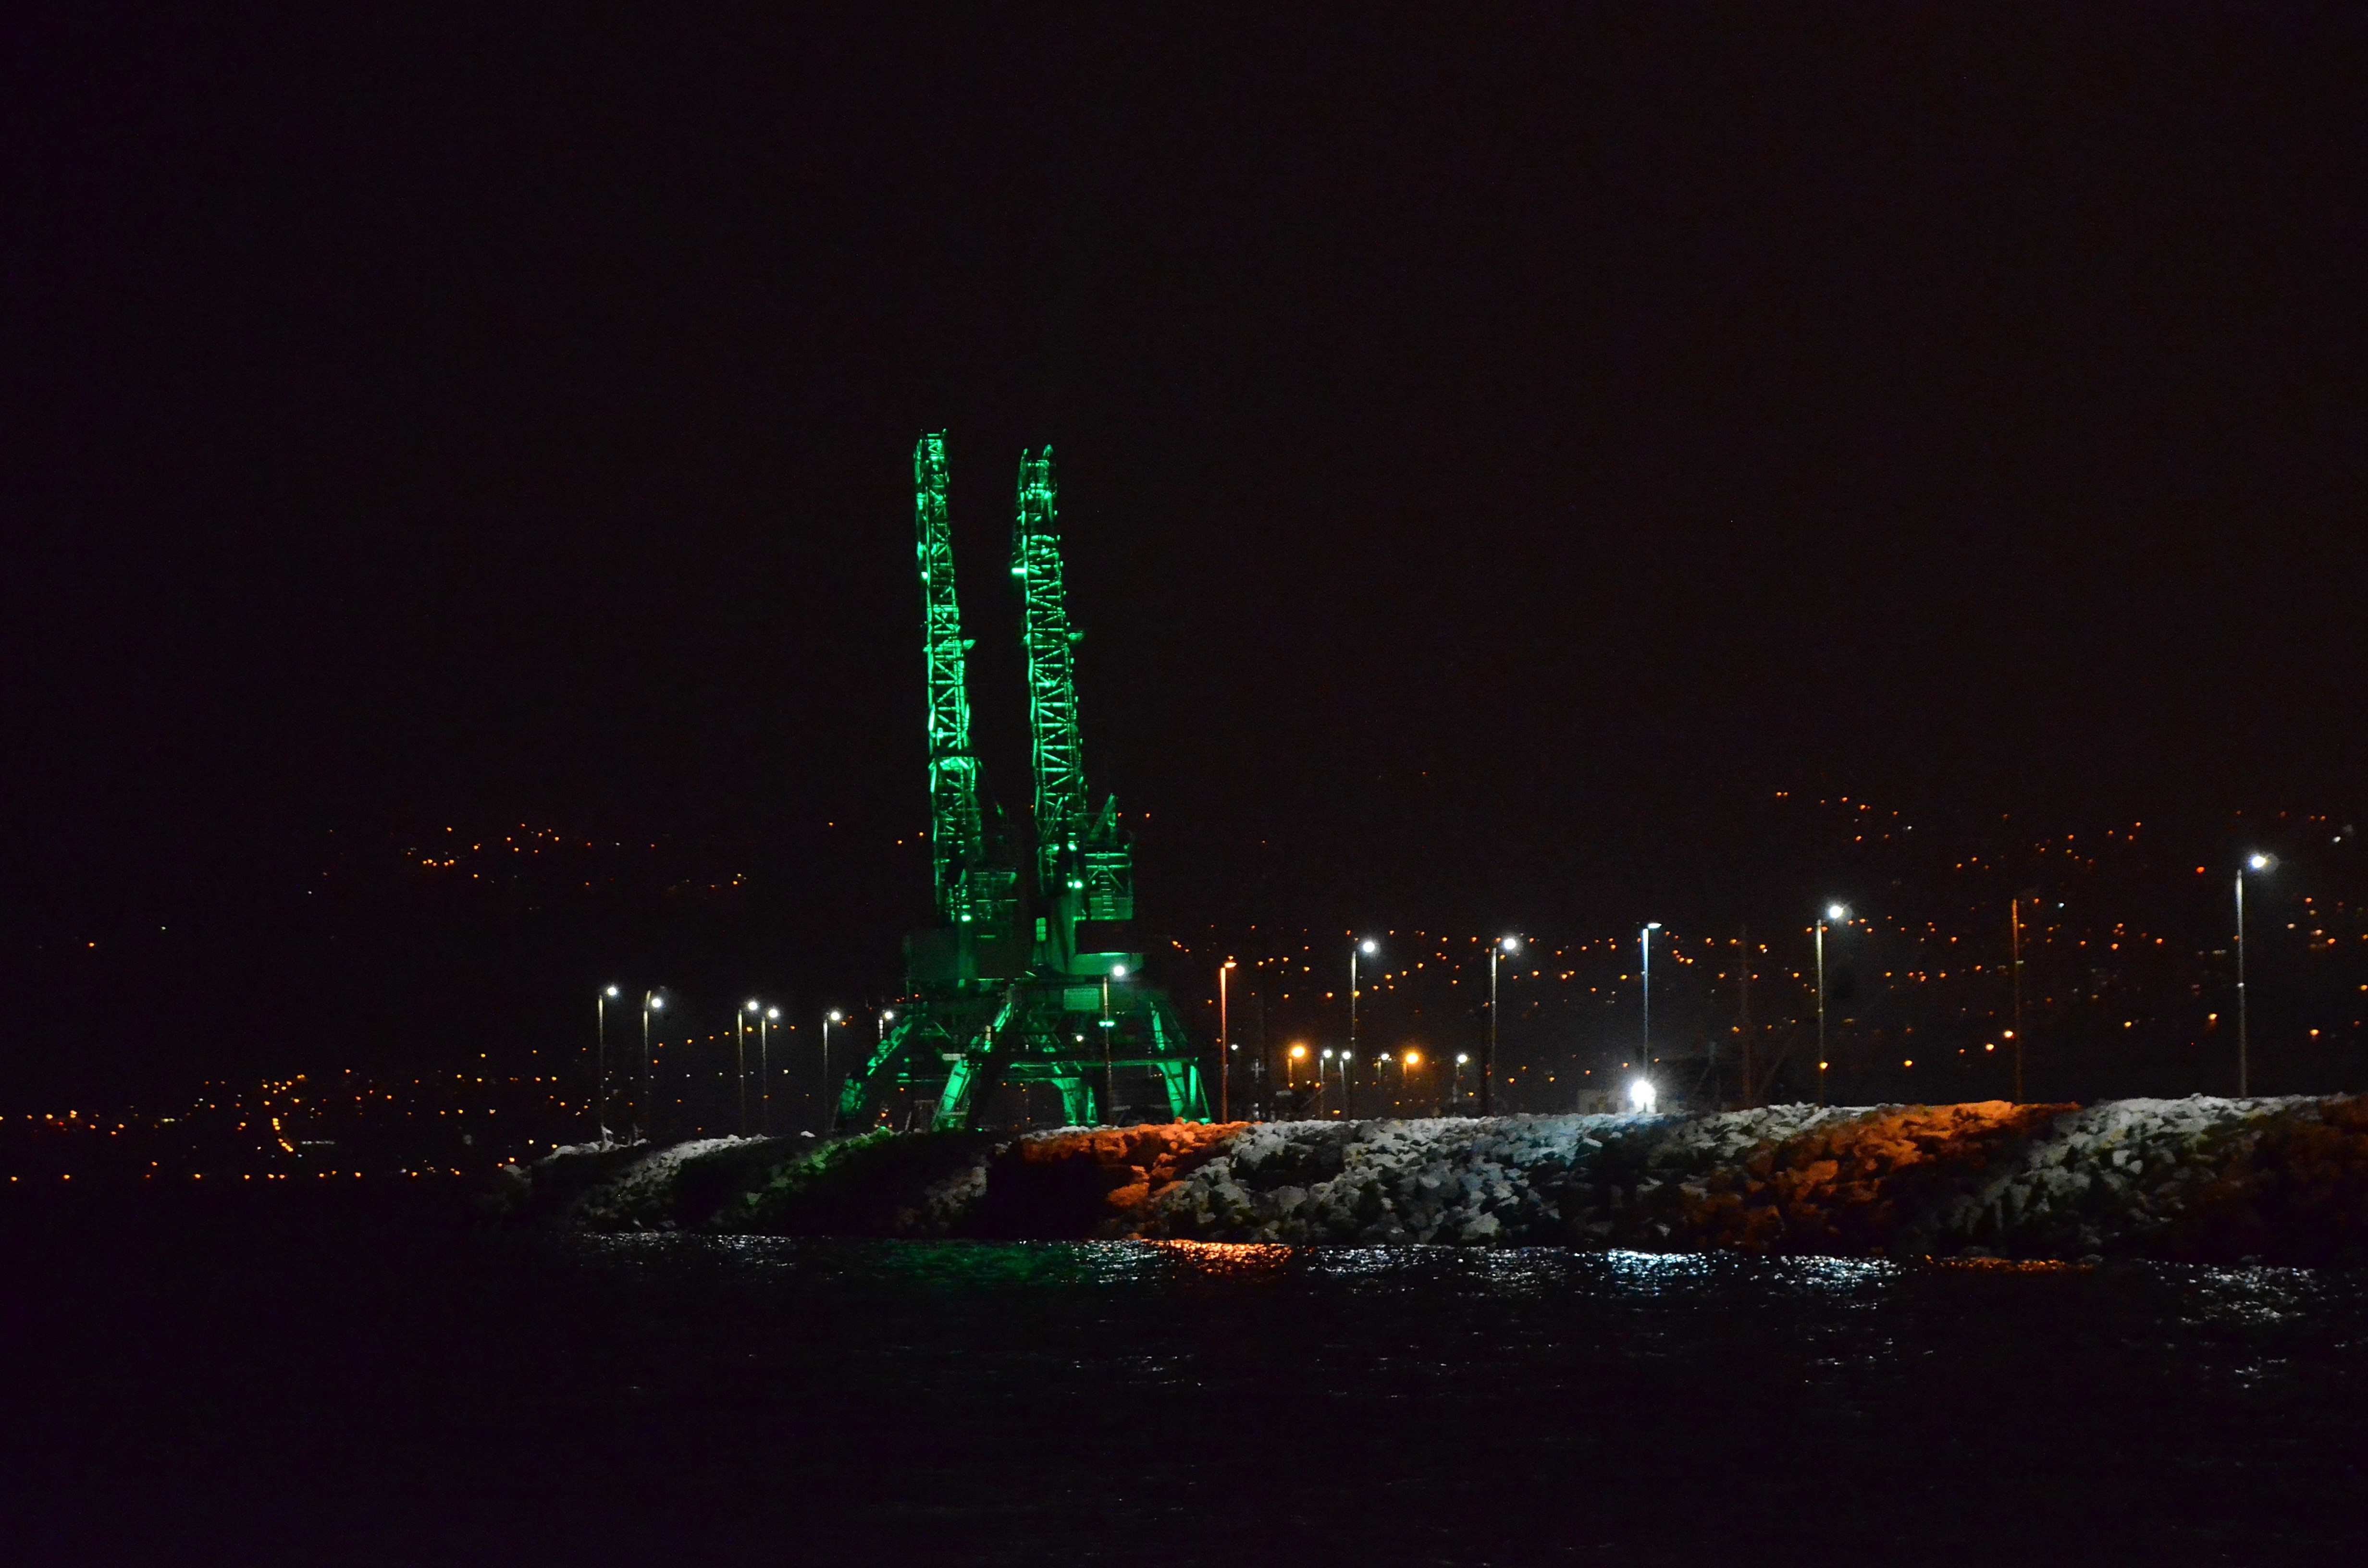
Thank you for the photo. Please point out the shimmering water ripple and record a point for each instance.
(417, 1395)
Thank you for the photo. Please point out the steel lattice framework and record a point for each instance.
(992, 1000)
(970, 891)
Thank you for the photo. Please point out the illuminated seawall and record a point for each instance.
(2206, 1179)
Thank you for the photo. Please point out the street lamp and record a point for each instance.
(600, 1064)
(1110, 1090)
(1319, 1075)
(2259, 862)
(2015, 955)
(765, 1071)
(829, 1102)
(1225, 1050)
(740, 1059)
(1298, 1054)
(653, 1001)
(1832, 912)
(1366, 947)
(1496, 949)
(1645, 945)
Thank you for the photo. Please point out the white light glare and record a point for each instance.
(1118, 971)
(753, 1007)
(1369, 946)
(1511, 943)
(1461, 1059)
(1835, 912)
(2259, 862)
(1642, 1094)
(613, 990)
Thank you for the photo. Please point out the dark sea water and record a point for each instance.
(317, 1382)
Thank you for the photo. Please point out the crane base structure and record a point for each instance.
(949, 1051)
(1028, 977)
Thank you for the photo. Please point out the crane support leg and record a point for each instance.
(1076, 1101)
(1186, 1099)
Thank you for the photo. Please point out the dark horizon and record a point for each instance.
(1496, 459)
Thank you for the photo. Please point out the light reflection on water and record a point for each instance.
(573, 1397)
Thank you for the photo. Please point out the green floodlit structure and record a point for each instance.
(1029, 979)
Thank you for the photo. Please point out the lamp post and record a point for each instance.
(740, 1060)
(1225, 1050)
(1297, 1054)
(1455, 1090)
(646, 1117)
(1109, 1091)
(2014, 952)
(1496, 949)
(765, 1071)
(600, 1065)
(1644, 947)
(2259, 862)
(1366, 947)
(1408, 1060)
(829, 1101)
(1832, 912)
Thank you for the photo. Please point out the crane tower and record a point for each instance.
(1023, 979)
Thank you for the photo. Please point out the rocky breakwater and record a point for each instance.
(2284, 1180)
(2202, 1179)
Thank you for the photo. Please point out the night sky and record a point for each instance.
(1499, 451)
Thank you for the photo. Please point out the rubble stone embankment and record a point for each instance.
(2203, 1179)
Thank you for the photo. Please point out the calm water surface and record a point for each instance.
(327, 1385)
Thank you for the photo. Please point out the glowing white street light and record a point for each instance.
(765, 1022)
(600, 1063)
(2259, 862)
(653, 1001)
(1365, 948)
(1109, 1087)
(1644, 947)
(1643, 1096)
(1496, 949)
(1224, 1049)
(829, 1100)
(1836, 912)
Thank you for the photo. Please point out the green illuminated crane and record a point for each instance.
(1085, 868)
(1068, 1009)
(971, 890)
